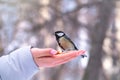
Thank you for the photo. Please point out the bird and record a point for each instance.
(65, 43)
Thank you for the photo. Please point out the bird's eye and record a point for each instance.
(60, 34)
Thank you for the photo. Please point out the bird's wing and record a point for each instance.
(66, 43)
(72, 43)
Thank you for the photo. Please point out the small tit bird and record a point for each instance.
(65, 42)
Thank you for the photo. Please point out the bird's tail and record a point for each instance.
(83, 55)
(76, 48)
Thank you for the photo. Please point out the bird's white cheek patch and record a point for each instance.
(60, 34)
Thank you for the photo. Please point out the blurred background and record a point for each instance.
(94, 26)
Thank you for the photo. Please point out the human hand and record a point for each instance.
(49, 57)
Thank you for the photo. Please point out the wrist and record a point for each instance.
(33, 52)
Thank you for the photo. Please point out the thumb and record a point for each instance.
(43, 52)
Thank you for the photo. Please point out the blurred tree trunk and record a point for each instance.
(97, 35)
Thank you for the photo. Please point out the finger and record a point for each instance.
(43, 52)
(51, 62)
(62, 61)
(58, 60)
(68, 58)
(47, 61)
(69, 54)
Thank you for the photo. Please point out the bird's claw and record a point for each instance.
(83, 56)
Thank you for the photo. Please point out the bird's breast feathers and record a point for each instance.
(65, 43)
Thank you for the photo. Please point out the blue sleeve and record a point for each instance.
(18, 65)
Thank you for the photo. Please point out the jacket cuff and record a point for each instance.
(23, 60)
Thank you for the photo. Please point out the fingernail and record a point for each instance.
(53, 52)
